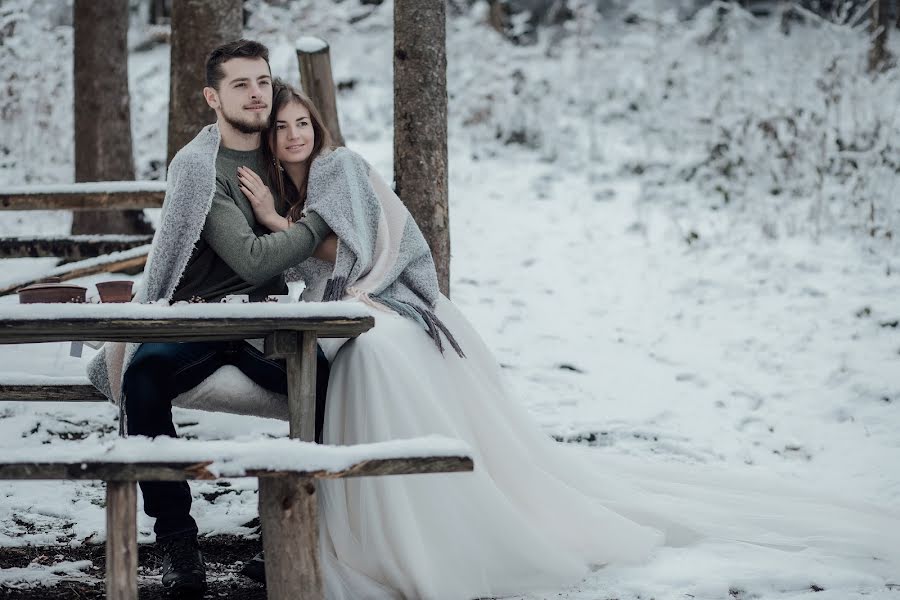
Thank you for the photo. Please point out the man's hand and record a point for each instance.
(261, 200)
(327, 250)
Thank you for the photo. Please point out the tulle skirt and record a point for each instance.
(535, 514)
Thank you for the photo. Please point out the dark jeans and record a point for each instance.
(160, 372)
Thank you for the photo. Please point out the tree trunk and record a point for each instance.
(160, 12)
(102, 115)
(198, 26)
(420, 122)
(878, 29)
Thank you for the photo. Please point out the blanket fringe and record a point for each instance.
(335, 289)
(435, 328)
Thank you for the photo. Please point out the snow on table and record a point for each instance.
(88, 187)
(151, 312)
(234, 458)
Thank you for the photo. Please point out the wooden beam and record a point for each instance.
(288, 513)
(115, 263)
(314, 57)
(177, 471)
(75, 247)
(24, 331)
(79, 201)
(121, 540)
(50, 392)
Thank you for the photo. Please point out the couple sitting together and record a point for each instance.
(261, 195)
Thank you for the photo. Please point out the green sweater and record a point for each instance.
(237, 255)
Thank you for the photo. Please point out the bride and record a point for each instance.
(534, 515)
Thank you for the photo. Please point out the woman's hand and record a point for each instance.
(261, 200)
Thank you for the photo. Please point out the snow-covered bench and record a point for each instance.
(45, 389)
(108, 253)
(97, 195)
(286, 470)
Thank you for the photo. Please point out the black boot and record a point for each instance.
(183, 570)
(255, 569)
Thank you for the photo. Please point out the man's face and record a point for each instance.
(244, 97)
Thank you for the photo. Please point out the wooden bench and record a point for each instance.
(69, 247)
(286, 470)
(48, 391)
(101, 195)
(113, 253)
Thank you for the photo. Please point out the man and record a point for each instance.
(233, 255)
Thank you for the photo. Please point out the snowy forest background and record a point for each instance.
(675, 222)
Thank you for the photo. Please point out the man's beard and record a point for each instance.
(246, 126)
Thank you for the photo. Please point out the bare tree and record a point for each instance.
(878, 28)
(160, 11)
(102, 114)
(420, 122)
(198, 26)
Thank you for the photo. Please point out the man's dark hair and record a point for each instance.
(237, 49)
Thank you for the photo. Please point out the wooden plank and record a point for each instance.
(116, 263)
(50, 392)
(121, 540)
(288, 514)
(78, 200)
(74, 247)
(25, 331)
(177, 471)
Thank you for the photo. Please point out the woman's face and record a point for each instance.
(294, 135)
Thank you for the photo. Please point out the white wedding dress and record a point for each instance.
(534, 515)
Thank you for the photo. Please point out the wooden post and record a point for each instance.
(121, 540)
(287, 504)
(288, 514)
(314, 57)
(198, 27)
(420, 123)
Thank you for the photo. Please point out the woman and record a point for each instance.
(534, 515)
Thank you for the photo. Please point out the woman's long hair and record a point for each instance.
(282, 95)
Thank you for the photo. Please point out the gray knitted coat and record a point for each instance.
(382, 256)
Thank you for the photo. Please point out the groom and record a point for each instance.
(233, 255)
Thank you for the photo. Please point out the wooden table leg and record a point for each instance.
(121, 540)
(290, 531)
(299, 351)
(301, 372)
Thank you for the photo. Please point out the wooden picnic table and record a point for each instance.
(287, 502)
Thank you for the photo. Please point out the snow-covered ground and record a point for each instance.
(632, 308)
